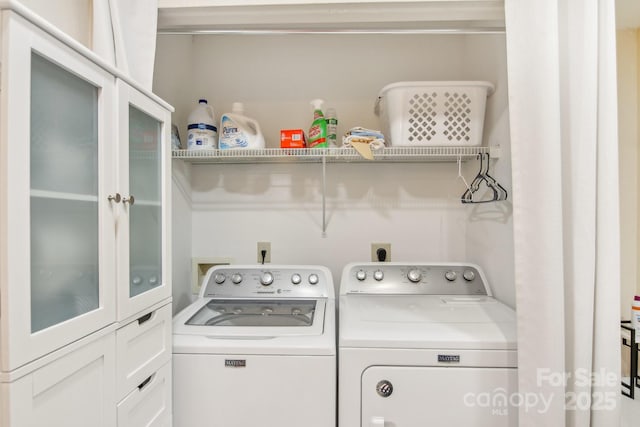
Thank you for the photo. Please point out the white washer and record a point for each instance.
(257, 348)
(424, 344)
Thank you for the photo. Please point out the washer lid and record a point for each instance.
(259, 313)
(426, 321)
(268, 317)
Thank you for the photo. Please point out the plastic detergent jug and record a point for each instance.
(239, 131)
(202, 132)
(317, 136)
(635, 316)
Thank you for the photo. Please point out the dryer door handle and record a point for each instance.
(377, 422)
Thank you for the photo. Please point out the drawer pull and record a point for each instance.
(144, 383)
(144, 318)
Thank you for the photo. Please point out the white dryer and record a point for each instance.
(257, 348)
(424, 344)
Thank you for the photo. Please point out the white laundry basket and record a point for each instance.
(433, 113)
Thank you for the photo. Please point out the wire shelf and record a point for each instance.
(334, 155)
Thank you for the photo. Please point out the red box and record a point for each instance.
(292, 138)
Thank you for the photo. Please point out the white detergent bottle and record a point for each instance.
(239, 131)
(202, 132)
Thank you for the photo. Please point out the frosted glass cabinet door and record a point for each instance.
(64, 195)
(142, 229)
(58, 225)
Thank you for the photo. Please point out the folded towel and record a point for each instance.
(359, 131)
(374, 138)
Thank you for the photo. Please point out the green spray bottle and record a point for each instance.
(317, 137)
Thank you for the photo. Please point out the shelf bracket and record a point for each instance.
(324, 196)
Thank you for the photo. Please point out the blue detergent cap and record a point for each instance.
(202, 100)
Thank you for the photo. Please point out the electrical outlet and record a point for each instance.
(375, 247)
(264, 246)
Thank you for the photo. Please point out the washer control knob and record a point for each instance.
(469, 275)
(313, 279)
(266, 279)
(361, 275)
(219, 278)
(296, 279)
(450, 275)
(384, 388)
(236, 278)
(378, 275)
(414, 275)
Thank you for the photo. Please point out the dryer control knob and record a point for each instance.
(313, 279)
(450, 275)
(384, 388)
(219, 278)
(414, 275)
(378, 275)
(361, 275)
(236, 278)
(266, 279)
(469, 275)
(296, 279)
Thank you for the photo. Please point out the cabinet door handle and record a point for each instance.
(114, 197)
(144, 318)
(131, 200)
(146, 382)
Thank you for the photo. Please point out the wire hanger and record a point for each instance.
(460, 176)
(499, 192)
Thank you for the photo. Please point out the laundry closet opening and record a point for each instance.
(221, 210)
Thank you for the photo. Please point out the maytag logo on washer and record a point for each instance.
(449, 358)
(235, 363)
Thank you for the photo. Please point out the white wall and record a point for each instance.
(489, 237)
(181, 235)
(628, 115)
(74, 17)
(415, 207)
(276, 75)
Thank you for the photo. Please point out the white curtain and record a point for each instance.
(563, 116)
(124, 35)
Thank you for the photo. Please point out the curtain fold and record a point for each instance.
(124, 35)
(562, 92)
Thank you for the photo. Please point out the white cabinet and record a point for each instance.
(144, 274)
(149, 404)
(143, 347)
(76, 390)
(57, 161)
(85, 287)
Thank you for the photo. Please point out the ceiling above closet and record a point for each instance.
(202, 16)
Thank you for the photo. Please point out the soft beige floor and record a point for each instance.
(630, 409)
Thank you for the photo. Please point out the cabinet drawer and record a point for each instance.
(142, 347)
(149, 404)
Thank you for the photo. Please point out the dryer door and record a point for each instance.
(415, 396)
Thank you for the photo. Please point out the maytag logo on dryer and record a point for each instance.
(235, 363)
(449, 358)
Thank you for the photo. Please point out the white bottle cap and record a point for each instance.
(237, 107)
(317, 104)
